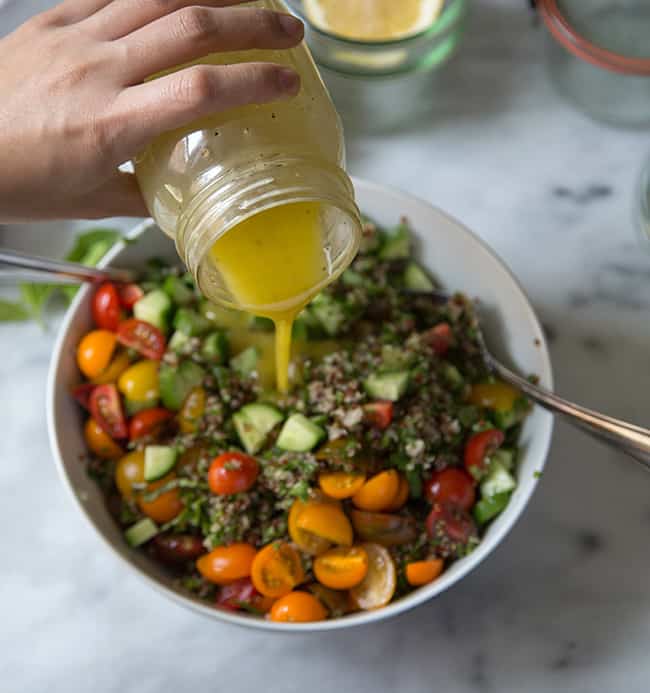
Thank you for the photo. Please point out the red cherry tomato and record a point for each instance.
(148, 422)
(440, 338)
(232, 472)
(450, 526)
(129, 294)
(241, 594)
(177, 548)
(106, 408)
(82, 394)
(451, 486)
(106, 307)
(479, 447)
(143, 337)
(379, 414)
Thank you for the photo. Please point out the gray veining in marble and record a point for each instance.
(564, 603)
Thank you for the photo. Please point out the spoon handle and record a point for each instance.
(63, 271)
(631, 439)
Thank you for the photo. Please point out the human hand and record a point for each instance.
(75, 105)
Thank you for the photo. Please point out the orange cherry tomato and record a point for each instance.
(276, 570)
(327, 521)
(95, 351)
(497, 396)
(232, 472)
(423, 572)
(129, 472)
(340, 485)
(114, 370)
(192, 411)
(298, 607)
(164, 507)
(341, 568)
(99, 442)
(401, 496)
(305, 541)
(378, 587)
(378, 492)
(226, 564)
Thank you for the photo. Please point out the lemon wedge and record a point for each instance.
(373, 20)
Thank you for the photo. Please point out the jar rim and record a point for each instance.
(583, 48)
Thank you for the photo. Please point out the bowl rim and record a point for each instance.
(415, 598)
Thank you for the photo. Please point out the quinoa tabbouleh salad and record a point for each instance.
(391, 453)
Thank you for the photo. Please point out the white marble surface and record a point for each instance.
(564, 603)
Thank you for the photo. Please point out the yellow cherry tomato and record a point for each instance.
(276, 570)
(497, 396)
(95, 351)
(378, 492)
(114, 369)
(99, 442)
(341, 568)
(129, 472)
(164, 507)
(423, 572)
(192, 411)
(340, 485)
(226, 564)
(139, 383)
(327, 521)
(298, 607)
(401, 496)
(378, 587)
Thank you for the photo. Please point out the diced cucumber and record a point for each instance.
(215, 347)
(416, 279)
(177, 381)
(260, 324)
(179, 292)
(299, 434)
(329, 313)
(191, 323)
(178, 341)
(511, 417)
(245, 362)
(498, 480)
(488, 508)
(394, 358)
(154, 308)
(397, 245)
(253, 423)
(132, 406)
(505, 457)
(141, 532)
(158, 461)
(390, 386)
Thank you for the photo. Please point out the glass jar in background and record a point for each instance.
(598, 54)
(382, 85)
(224, 170)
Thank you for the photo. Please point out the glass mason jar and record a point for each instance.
(204, 179)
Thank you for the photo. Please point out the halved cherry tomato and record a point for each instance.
(378, 492)
(451, 486)
(82, 394)
(305, 541)
(340, 485)
(106, 408)
(232, 472)
(241, 594)
(177, 548)
(378, 414)
(143, 337)
(449, 525)
(164, 507)
(439, 338)
(383, 528)
(479, 447)
(106, 307)
(192, 410)
(148, 422)
(423, 572)
(327, 521)
(342, 567)
(129, 295)
(401, 497)
(227, 563)
(336, 602)
(95, 351)
(119, 363)
(100, 442)
(378, 587)
(298, 607)
(498, 396)
(129, 473)
(276, 570)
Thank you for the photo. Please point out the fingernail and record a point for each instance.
(289, 80)
(290, 25)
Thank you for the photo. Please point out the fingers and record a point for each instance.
(72, 11)
(119, 196)
(194, 32)
(120, 17)
(164, 104)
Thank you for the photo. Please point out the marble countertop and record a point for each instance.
(564, 603)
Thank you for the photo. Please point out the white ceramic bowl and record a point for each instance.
(457, 257)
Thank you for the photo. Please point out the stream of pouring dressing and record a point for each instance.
(273, 264)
